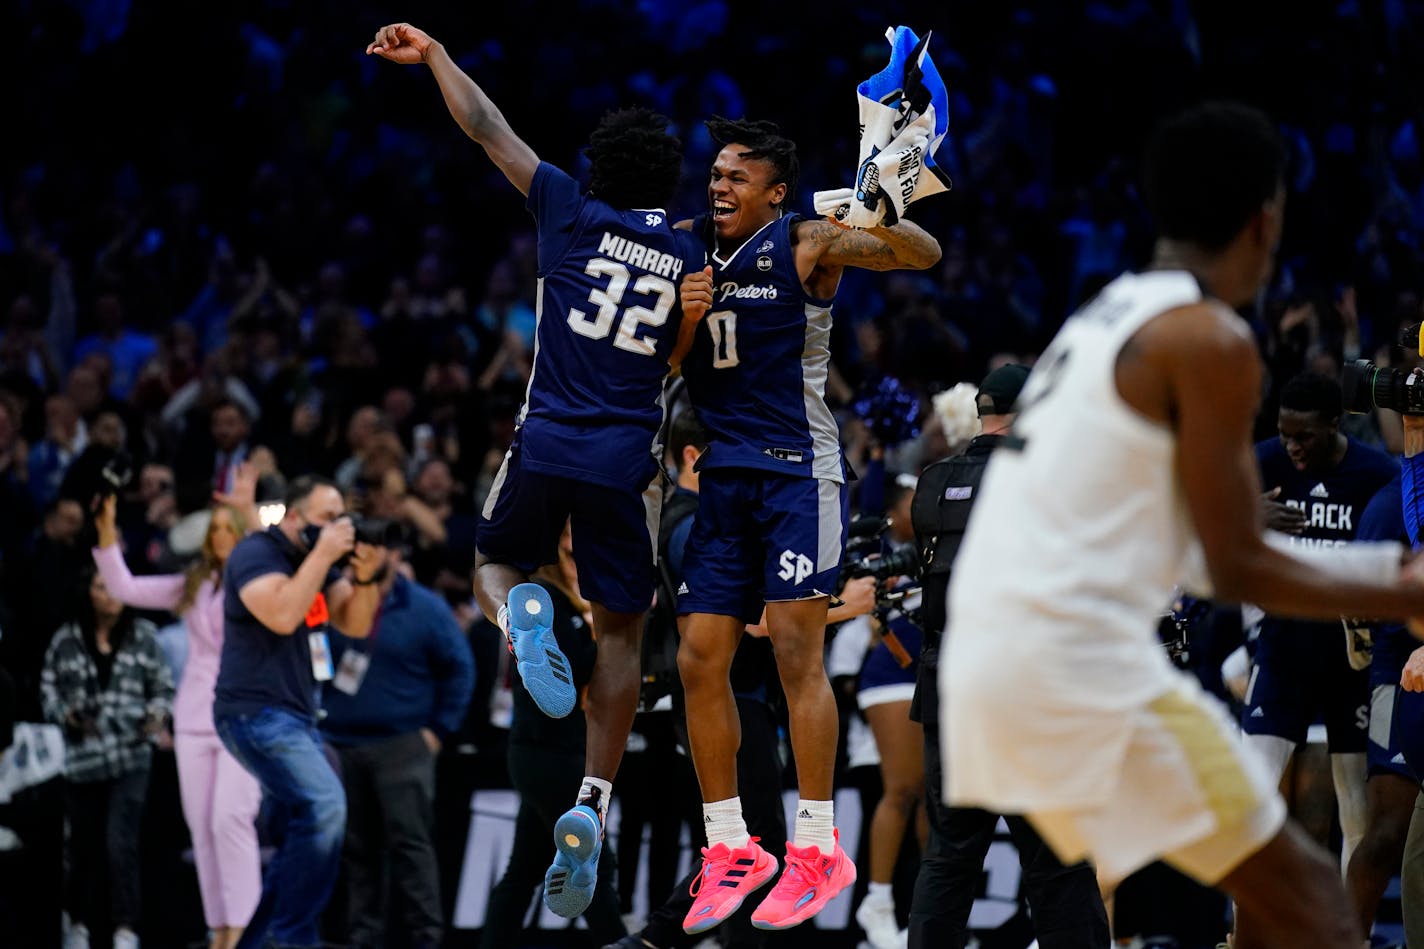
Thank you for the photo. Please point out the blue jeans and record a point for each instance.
(284, 753)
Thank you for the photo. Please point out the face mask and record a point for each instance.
(309, 535)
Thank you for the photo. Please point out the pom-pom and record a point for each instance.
(958, 412)
(889, 410)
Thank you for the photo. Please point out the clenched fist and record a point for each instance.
(696, 294)
(400, 43)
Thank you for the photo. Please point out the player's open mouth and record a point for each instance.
(722, 210)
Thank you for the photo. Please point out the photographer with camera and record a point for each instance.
(284, 587)
(219, 798)
(396, 696)
(105, 682)
(1068, 911)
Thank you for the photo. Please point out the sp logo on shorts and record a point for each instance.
(795, 567)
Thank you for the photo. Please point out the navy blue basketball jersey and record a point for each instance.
(608, 315)
(757, 371)
(1332, 501)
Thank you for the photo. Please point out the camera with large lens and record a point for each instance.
(863, 557)
(1367, 386)
(376, 531)
(898, 563)
(116, 473)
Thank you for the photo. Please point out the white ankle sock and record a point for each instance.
(723, 823)
(501, 618)
(880, 893)
(596, 793)
(815, 825)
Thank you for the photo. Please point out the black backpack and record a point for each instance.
(939, 512)
(659, 655)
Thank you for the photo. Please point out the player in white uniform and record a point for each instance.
(1133, 444)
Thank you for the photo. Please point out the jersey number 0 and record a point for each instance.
(610, 300)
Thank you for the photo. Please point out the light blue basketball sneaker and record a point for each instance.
(569, 882)
(542, 665)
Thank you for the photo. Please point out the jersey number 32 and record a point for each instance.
(610, 300)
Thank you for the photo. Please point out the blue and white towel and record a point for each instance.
(904, 116)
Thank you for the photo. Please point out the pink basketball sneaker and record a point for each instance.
(728, 877)
(810, 881)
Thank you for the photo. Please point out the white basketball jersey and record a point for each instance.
(1071, 555)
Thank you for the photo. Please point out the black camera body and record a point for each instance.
(1367, 386)
(899, 563)
(376, 531)
(863, 558)
(116, 474)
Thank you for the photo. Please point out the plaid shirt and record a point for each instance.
(140, 686)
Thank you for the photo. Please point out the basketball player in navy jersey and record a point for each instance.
(769, 531)
(1392, 786)
(609, 266)
(1303, 671)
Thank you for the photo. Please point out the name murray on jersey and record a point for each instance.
(637, 255)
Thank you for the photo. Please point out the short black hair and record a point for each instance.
(301, 488)
(1210, 169)
(687, 429)
(635, 162)
(1312, 392)
(763, 140)
(228, 402)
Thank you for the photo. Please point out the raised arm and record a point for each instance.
(353, 605)
(903, 246)
(471, 108)
(146, 593)
(280, 602)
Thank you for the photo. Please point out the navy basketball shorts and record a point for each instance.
(882, 678)
(1391, 711)
(1408, 732)
(1303, 676)
(759, 538)
(614, 531)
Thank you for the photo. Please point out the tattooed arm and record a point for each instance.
(824, 249)
(905, 246)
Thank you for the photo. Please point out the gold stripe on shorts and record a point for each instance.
(1211, 754)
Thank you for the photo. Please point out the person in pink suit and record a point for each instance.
(220, 799)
